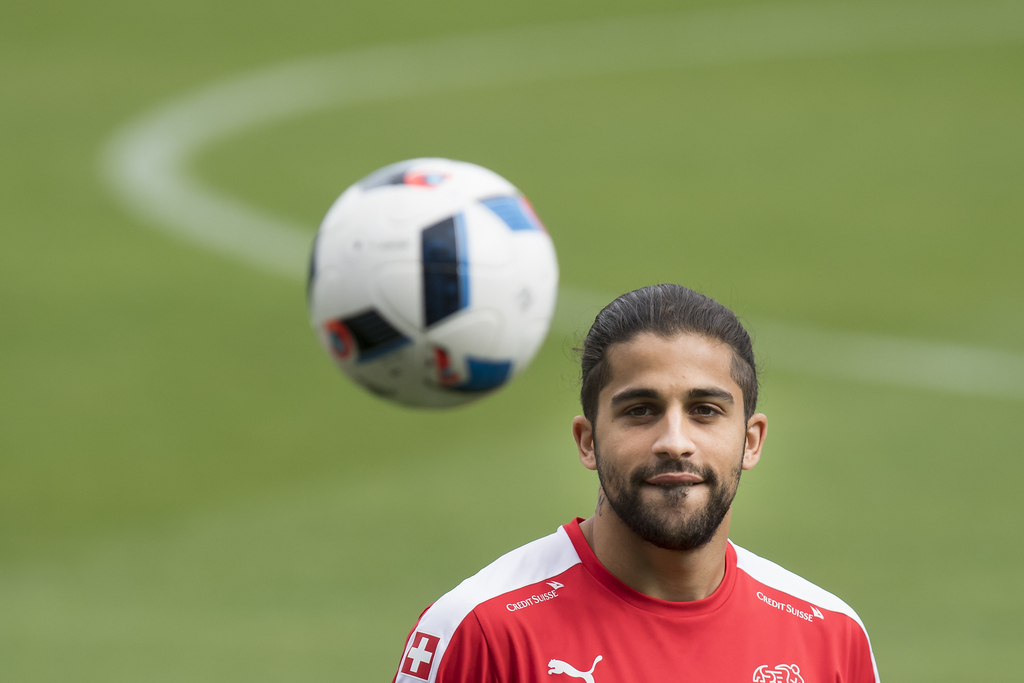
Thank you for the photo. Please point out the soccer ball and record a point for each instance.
(432, 282)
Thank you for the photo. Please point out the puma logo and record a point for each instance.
(560, 667)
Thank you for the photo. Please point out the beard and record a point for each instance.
(662, 523)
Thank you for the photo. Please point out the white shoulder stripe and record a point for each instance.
(538, 560)
(772, 575)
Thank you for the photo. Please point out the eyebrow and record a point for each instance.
(632, 394)
(642, 392)
(711, 392)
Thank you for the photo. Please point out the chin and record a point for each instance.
(677, 497)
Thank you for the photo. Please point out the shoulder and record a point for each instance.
(528, 564)
(784, 591)
(779, 579)
(447, 624)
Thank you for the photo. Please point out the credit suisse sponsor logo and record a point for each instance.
(788, 608)
(535, 599)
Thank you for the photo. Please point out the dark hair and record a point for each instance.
(664, 310)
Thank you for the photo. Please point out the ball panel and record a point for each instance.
(373, 335)
(389, 175)
(445, 275)
(387, 375)
(398, 287)
(514, 212)
(488, 239)
(484, 375)
(477, 332)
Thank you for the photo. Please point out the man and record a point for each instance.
(649, 589)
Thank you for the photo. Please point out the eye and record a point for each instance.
(639, 411)
(706, 410)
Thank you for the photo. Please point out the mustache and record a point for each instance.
(705, 472)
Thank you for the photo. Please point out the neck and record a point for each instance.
(676, 575)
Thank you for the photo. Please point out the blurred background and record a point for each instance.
(189, 491)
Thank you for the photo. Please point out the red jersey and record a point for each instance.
(549, 612)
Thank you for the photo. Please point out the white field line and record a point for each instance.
(147, 164)
(857, 356)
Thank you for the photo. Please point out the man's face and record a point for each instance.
(670, 439)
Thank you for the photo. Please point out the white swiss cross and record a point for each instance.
(420, 655)
(417, 661)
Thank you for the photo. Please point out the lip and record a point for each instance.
(675, 479)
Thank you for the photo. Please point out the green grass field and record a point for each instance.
(189, 491)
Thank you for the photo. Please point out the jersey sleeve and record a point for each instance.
(465, 658)
(448, 643)
(861, 665)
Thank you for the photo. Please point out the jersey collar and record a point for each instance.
(639, 600)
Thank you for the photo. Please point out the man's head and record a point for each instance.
(666, 311)
(669, 386)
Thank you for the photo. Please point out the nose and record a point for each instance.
(673, 440)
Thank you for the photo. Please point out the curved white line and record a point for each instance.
(147, 163)
(856, 356)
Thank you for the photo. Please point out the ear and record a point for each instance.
(757, 429)
(584, 435)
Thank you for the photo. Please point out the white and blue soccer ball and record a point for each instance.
(432, 282)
